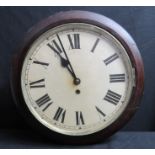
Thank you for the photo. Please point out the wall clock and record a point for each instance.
(78, 77)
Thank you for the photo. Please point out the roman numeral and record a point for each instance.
(111, 59)
(95, 44)
(37, 84)
(60, 114)
(46, 107)
(44, 101)
(100, 111)
(41, 63)
(112, 97)
(75, 42)
(56, 48)
(117, 78)
(79, 118)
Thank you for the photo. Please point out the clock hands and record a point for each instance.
(67, 62)
(64, 62)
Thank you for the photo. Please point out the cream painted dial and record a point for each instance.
(77, 79)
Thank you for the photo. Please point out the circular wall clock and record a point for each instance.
(78, 77)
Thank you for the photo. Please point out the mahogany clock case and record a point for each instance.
(88, 18)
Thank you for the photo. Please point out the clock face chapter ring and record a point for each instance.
(78, 76)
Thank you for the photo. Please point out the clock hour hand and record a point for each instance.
(76, 80)
(64, 62)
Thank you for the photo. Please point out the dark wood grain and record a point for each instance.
(79, 17)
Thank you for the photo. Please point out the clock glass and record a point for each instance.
(77, 79)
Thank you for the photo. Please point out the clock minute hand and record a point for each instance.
(76, 80)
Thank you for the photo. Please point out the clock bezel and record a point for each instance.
(89, 18)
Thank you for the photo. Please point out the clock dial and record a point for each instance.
(77, 79)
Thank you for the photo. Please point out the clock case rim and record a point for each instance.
(88, 18)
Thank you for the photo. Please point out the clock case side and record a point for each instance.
(78, 17)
